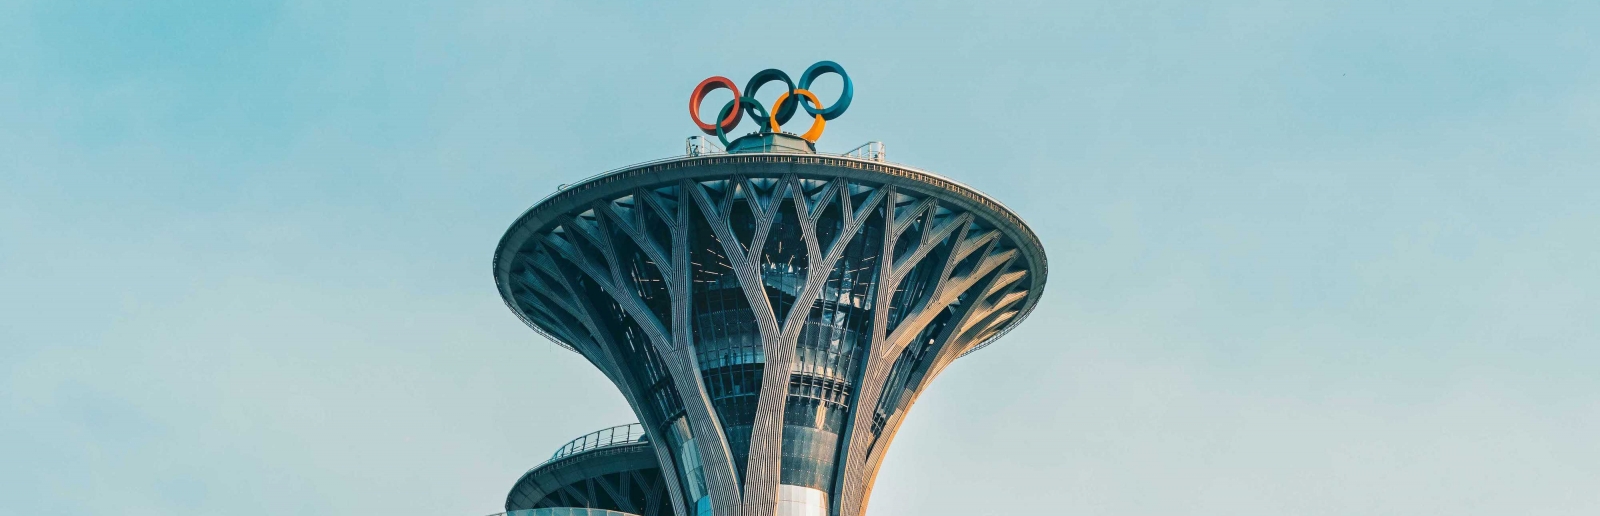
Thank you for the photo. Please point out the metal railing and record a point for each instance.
(873, 151)
(702, 146)
(699, 145)
(616, 435)
(563, 511)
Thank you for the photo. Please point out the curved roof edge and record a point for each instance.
(558, 202)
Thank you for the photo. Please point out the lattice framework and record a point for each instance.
(607, 272)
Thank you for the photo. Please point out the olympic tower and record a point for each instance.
(770, 312)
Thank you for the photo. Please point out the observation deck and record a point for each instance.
(770, 312)
(563, 511)
(869, 158)
(612, 469)
(620, 435)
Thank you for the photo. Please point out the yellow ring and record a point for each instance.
(816, 127)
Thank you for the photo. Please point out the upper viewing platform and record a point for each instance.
(605, 438)
(564, 511)
(858, 173)
(769, 311)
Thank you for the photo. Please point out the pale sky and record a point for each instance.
(1307, 258)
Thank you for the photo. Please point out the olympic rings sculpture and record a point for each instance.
(796, 96)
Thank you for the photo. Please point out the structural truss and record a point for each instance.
(770, 317)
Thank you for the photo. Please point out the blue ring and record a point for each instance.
(838, 106)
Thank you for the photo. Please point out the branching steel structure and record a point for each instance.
(770, 316)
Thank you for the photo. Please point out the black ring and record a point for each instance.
(785, 111)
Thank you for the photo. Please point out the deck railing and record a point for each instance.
(616, 435)
(563, 511)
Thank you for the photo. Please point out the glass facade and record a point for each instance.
(801, 501)
(828, 356)
(783, 261)
(832, 339)
(727, 343)
(694, 478)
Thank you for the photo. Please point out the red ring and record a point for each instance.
(700, 92)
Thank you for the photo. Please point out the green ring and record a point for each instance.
(750, 103)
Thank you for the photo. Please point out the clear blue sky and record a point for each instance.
(1311, 258)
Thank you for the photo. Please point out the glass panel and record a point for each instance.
(828, 355)
(727, 343)
(784, 264)
(801, 501)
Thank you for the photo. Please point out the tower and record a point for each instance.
(770, 312)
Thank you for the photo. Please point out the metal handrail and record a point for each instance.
(870, 151)
(700, 145)
(614, 436)
(563, 511)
